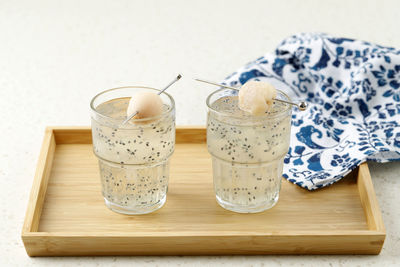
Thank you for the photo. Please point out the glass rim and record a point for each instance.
(127, 87)
(266, 115)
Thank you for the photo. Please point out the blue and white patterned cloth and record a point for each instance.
(353, 90)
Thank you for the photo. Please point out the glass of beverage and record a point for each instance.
(134, 157)
(247, 151)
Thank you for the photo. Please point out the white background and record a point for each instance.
(55, 55)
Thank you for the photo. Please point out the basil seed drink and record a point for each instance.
(133, 158)
(247, 151)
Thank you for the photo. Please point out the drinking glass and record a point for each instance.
(133, 158)
(247, 151)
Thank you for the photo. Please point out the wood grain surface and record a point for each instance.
(67, 216)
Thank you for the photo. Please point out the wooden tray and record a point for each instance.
(66, 215)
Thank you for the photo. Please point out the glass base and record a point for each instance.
(248, 209)
(135, 210)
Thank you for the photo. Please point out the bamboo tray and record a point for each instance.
(66, 215)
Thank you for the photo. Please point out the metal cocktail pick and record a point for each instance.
(302, 105)
(159, 93)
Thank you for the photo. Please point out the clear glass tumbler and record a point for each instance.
(247, 151)
(133, 158)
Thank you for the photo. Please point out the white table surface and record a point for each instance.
(55, 55)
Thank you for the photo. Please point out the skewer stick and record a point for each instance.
(159, 93)
(302, 105)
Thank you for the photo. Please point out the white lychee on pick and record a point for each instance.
(145, 104)
(256, 97)
(301, 105)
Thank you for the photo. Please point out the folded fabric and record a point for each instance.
(353, 90)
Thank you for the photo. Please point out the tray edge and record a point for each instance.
(39, 185)
(32, 217)
(369, 201)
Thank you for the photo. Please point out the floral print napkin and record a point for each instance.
(353, 90)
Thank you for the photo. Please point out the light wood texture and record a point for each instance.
(40, 182)
(341, 219)
(368, 200)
